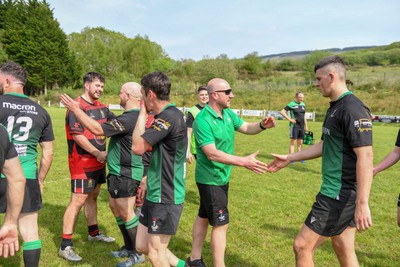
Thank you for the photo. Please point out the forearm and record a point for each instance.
(138, 142)
(284, 114)
(225, 158)
(389, 160)
(364, 172)
(87, 122)
(189, 137)
(15, 189)
(254, 128)
(45, 163)
(84, 143)
(312, 152)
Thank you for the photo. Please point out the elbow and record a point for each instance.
(137, 151)
(50, 155)
(211, 157)
(98, 132)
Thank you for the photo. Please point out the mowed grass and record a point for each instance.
(266, 211)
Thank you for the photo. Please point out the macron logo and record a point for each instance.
(313, 219)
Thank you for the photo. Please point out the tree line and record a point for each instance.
(31, 36)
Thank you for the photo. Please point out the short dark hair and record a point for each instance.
(328, 61)
(91, 76)
(159, 83)
(202, 88)
(299, 93)
(15, 70)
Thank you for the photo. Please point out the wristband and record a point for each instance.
(262, 126)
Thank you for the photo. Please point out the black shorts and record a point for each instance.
(214, 203)
(121, 186)
(32, 198)
(160, 218)
(296, 133)
(398, 201)
(330, 217)
(86, 186)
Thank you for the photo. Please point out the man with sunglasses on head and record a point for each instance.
(214, 130)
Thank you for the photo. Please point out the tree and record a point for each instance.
(34, 39)
(206, 69)
(252, 64)
(146, 56)
(112, 53)
(100, 50)
(309, 62)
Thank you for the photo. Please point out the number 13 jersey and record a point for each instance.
(28, 124)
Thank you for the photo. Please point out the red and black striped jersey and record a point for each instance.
(82, 163)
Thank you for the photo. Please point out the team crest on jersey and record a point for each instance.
(102, 114)
(117, 125)
(160, 124)
(90, 183)
(154, 226)
(363, 125)
(101, 140)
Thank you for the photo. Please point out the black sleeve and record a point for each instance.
(120, 124)
(398, 139)
(357, 126)
(189, 120)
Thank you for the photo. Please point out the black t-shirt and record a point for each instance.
(168, 137)
(347, 126)
(190, 118)
(120, 159)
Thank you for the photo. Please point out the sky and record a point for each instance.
(188, 29)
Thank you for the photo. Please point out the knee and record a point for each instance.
(153, 257)
(77, 203)
(93, 197)
(299, 246)
(141, 248)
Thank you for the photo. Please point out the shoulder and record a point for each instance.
(171, 113)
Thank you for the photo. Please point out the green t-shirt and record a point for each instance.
(209, 128)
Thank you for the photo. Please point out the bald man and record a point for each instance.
(214, 130)
(125, 169)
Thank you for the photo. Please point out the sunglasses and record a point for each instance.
(227, 91)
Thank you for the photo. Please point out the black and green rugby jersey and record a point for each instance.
(297, 111)
(7, 149)
(165, 177)
(120, 159)
(28, 124)
(347, 125)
